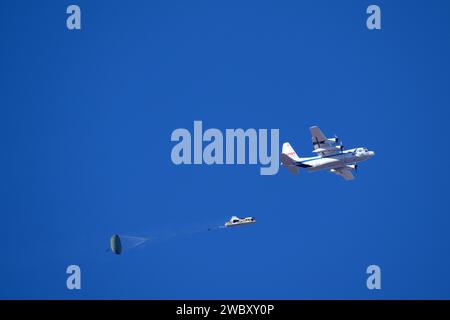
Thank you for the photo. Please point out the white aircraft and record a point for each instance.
(235, 221)
(330, 156)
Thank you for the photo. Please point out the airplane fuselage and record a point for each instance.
(330, 156)
(337, 160)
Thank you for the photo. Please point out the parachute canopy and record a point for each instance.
(116, 245)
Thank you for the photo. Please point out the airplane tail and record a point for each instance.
(289, 158)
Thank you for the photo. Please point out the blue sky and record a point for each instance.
(85, 124)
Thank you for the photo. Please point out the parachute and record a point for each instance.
(116, 244)
(122, 243)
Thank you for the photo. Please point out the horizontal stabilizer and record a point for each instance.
(289, 163)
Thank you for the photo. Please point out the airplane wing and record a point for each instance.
(344, 173)
(322, 146)
(317, 137)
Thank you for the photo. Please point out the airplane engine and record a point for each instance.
(339, 148)
(334, 143)
(352, 166)
(333, 140)
(329, 148)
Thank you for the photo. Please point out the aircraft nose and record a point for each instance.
(371, 153)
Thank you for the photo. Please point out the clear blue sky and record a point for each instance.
(85, 124)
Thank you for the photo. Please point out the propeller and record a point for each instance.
(336, 139)
(338, 142)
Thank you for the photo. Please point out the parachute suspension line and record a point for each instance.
(134, 241)
(119, 243)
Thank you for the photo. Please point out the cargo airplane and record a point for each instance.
(330, 155)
